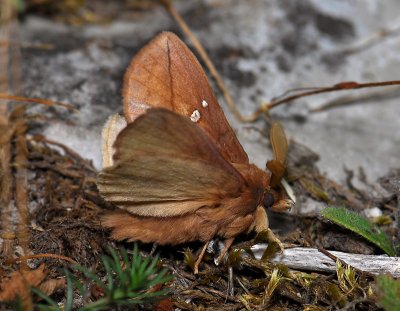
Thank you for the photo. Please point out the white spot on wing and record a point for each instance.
(195, 117)
(204, 103)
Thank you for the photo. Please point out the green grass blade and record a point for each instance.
(116, 266)
(69, 292)
(152, 266)
(360, 225)
(109, 272)
(90, 275)
(389, 292)
(52, 304)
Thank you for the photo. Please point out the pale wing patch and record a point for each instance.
(111, 129)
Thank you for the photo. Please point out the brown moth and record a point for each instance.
(179, 173)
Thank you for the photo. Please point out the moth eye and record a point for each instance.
(269, 200)
(204, 104)
(195, 117)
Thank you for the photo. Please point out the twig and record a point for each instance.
(372, 40)
(374, 97)
(28, 45)
(38, 256)
(36, 101)
(335, 258)
(5, 17)
(310, 259)
(5, 199)
(21, 184)
(343, 86)
(6, 208)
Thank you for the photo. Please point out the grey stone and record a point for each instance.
(261, 48)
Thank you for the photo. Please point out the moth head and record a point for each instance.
(279, 199)
(269, 199)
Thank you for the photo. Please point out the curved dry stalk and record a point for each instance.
(36, 100)
(21, 183)
(38, 256)
(6, 182)
(28, 45)
(6, 197)
(343, 86)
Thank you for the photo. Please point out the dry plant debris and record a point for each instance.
(18, 284)
(64, 209)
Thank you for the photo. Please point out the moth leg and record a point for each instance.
(231, 285)
(153, 249)
(271, 237)
(200, 258)
(228, 244)
(261, 223)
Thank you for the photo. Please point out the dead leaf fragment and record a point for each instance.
(19, 284)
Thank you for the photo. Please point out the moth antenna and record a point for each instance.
(289, 190)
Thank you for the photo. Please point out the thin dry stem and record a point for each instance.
(343, 86)
(39, 256)
(36, 101)
(6, 208)
(373, 39)
(21, 185)
(5, 17)
(28, 45)
(6, 198)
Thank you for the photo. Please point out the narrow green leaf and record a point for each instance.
(152, 265)
(109, 272)
(90, 275)
(52, 304)
(360, 225)
(70, 291)
(116, 266)
(389, 292)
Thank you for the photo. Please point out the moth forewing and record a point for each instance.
(166, 74)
